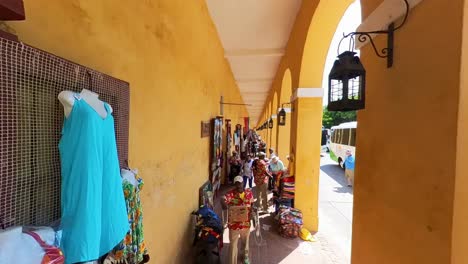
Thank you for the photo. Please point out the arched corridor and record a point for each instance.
(162, 67)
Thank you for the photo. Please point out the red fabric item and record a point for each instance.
(260, 172)
(53, 255)
(232, 198)
(288, 179)
(278, 179)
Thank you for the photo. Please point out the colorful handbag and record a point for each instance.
(53, 255)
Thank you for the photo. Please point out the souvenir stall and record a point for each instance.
(251, 141)
(228, 150)
(216, 165)
(288, 217)
(205, 195)
(246, 126)
(245, 140)
(237, 138)
(55, 114)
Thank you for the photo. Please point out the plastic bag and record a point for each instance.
(52, 254)
(46, 233)
(19, 248)
(305, 235)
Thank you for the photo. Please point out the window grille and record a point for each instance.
(31, 121)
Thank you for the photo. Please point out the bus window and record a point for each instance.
(345, 136)
(353, 137)
(337, 136)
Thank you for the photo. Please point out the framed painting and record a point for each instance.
(205, 129)
(216, 153)
(206, 195)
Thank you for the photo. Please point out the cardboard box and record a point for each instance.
(238, 214)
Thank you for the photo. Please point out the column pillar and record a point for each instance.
(283, 136)
(273, 133)
(305, 146)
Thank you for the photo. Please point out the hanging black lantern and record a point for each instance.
(282, 117)
(270, 123)
(347, 83)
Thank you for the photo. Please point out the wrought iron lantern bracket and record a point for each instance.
(366, 36)
(282, 115)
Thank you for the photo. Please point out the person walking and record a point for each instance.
(261, 176)
(349, 168)
(238, 197)
(235, 166)
(247, 171)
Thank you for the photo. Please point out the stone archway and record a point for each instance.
(307, 107)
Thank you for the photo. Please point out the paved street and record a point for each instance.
(335, 211)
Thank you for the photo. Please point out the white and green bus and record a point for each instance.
(343, 137)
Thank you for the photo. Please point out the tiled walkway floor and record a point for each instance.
(333, 240)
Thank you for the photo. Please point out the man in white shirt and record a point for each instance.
(247, 171)
(272, 153)
(276, 168)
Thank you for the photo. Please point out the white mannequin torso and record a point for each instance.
(67, 99)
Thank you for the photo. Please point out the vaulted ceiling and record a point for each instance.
(254, 34)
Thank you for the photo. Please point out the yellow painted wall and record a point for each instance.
(274, 132)
(169, 52)
(293, 56)
(406, 141)
(284, 132)
(306, 166)
(283, 139)
(460, 214)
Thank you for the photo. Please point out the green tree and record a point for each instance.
(335, 118)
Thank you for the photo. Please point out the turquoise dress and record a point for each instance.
(94, 216)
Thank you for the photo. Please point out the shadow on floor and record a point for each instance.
(344, 189)
(335, 172)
